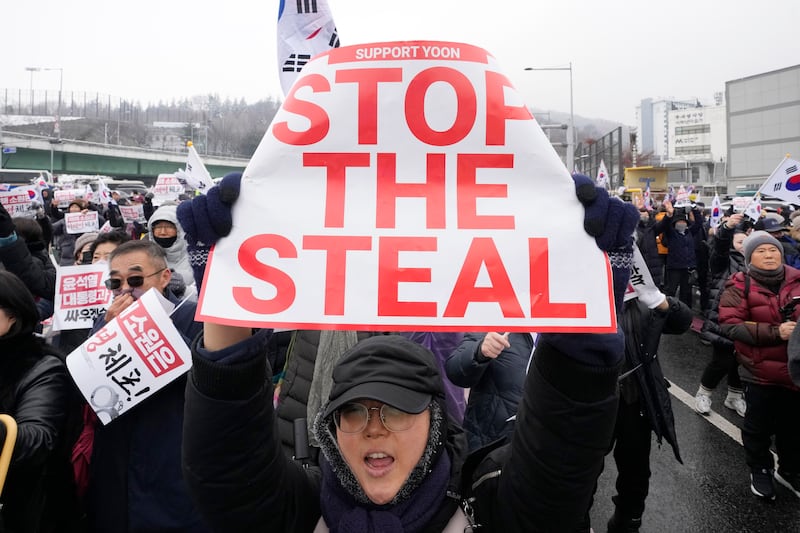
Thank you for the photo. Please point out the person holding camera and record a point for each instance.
(679, 228)
(758, 311)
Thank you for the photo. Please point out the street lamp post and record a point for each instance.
(32, 70)
(570, 162)
(57, 125)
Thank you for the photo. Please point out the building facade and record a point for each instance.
(697, 142)
(652, 117)
(763, 124)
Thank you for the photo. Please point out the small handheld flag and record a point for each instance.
(682, 198)
(753, 210)
(648, 200)
(716, 212)
(602, 176)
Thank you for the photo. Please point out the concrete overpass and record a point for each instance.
(67, 156)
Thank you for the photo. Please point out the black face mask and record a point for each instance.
(165, 242)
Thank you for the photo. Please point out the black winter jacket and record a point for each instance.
(723, 263)
(646, 241)
(681, 246)
(137, 459)
(646, 384)
(30, 262)
(495, 385)
(241, 480)
(39, 492)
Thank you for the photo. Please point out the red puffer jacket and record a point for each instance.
(751, 317)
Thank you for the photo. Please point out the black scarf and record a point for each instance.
(771, 279)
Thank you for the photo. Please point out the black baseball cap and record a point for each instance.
(387, 368)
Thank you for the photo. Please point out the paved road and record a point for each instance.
(710, 492)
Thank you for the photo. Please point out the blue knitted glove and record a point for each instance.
(611, 222)
(206, 219)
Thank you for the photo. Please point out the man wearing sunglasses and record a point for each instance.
(138, 455)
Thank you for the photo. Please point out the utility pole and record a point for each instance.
(571, 135)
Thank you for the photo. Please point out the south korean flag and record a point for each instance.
(305, 29)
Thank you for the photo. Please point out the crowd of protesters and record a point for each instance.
(386, 431)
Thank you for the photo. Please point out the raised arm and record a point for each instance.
(233, 463)
(566, 416)
(467, 364)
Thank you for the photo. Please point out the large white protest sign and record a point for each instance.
(81, 222)
(130, 358)
(19, 201)
(406, 186)
(80, 296)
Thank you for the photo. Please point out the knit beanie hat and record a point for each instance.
(756, 239)
(82, 241)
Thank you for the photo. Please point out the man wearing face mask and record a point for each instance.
(166, 231)
(137, 457)
(679, 234)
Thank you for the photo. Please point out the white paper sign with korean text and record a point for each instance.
(406, 186)
(19, 201)
(167, 189)
(130, 358)
(65, 196)
(81, 296)
(132, 213)
(81, 222)
(640, 280)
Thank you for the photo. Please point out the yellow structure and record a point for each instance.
(641, 177)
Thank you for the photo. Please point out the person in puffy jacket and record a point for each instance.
(166, 231)
(39, 494)
(493, 367)
(679, 235)
(645, 407)
(759, 311)
(726, 260)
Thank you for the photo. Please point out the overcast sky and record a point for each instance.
(621, 51)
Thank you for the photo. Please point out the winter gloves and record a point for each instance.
(206, 219)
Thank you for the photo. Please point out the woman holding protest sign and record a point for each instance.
(392, 460)
(65, 241)
(34, 390)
